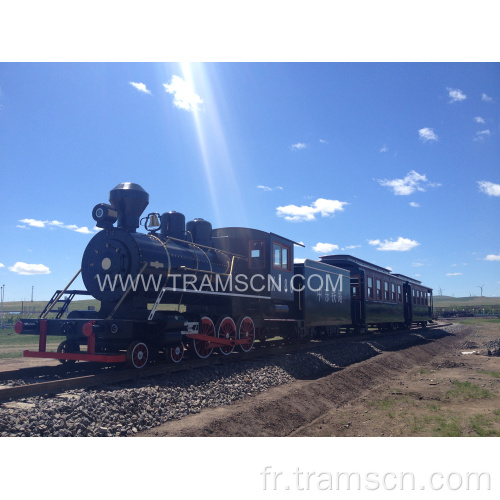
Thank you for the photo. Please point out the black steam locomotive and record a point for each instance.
(181, 286)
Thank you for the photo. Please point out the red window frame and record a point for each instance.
(369, 287)
(289, 255)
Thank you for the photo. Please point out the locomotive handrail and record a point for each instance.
(60, 295)
(126, 293)
(210, 248)
(164, 245)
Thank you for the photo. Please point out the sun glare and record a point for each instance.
(201, 101)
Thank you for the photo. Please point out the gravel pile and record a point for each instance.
(123, 410)
(493, 347)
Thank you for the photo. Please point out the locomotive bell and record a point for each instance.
(129, 200)
(153, 221)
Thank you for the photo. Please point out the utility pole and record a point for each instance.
(481, 287)
(441, 290)
(3, 293)
(32, 293)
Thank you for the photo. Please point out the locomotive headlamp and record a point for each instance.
(104, 215)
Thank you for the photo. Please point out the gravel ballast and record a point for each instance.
(124, 410)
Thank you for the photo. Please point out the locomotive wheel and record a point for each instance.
(226, 329)
(246, 330)
(200, 346)
(176, 353)
(68, 346)
(137, 355)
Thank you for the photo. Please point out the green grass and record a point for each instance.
(457, 302)
(18, 343)
(476, 321)
(482, 426)
(447, 427)
(466, 390)
(492, 374)
(38, 305)
(384, 404)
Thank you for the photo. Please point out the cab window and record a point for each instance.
(257, 254)
(281, 256)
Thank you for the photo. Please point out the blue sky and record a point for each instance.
(395, 163)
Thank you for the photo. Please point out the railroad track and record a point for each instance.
(116, 375)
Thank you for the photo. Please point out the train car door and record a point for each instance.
(357, 290)
(408, 304)
(281, 269)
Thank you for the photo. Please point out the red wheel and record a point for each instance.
(246, 331)
(137, 355)
(226, 329)
(201, 346)
(176, 353)
(261, 334)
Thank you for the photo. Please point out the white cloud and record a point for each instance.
(184, 95)
(84, 230)
(321, 206)
(427, 134)
(325, 247)
(481, 134)
(414, 204)
(299, 145)
(456, 95)
(323, 141)
(416, 264)
(489, 188)
(411, 183)
(34, 222)
(53, 224)
(389, 268)
(2, 265)
(28, 269)
(492, 257)
(478, 119)
(141, 87)
(384, 149)
(351, 247)
(400, 245)
(486, 98)
(298, 260)
(267, 188)
(454, 274)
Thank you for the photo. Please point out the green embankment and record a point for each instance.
(476, 305)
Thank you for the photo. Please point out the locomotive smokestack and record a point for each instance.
(129, 200)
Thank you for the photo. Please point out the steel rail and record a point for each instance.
(265, 351)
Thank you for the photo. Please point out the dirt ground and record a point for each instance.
(430, 389)
(10, 364)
